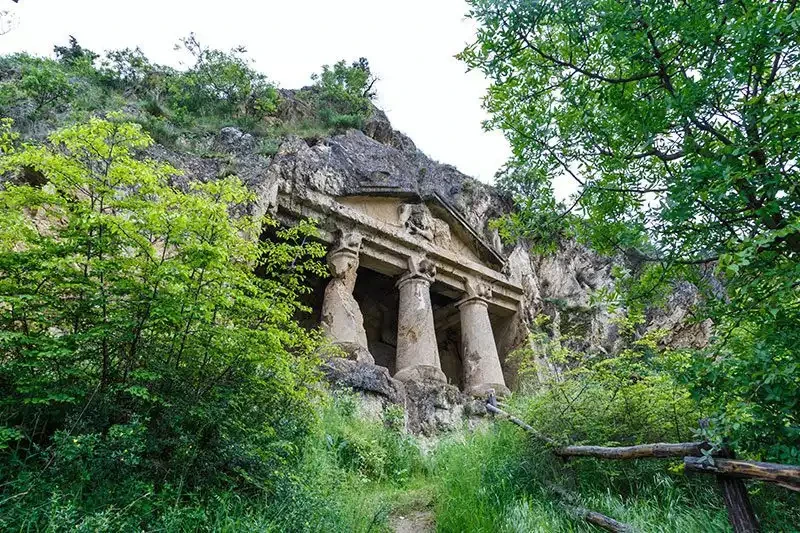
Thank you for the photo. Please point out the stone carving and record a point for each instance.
(348, 241)
(478, 289)
(341, 319)
(497, 241)
(441, 234)
(418, 220)
(417, 350)
(420, 268)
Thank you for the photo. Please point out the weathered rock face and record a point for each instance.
(385, 163)
(431, 407)
(566, 282)
(676, 319)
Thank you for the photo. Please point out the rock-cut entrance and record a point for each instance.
(413, 288)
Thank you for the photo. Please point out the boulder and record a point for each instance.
(364, 377)
(232, 139)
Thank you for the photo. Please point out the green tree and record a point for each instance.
(343, 93)
(679, 123)
(45, 83)
(73, 53)
(220, 81)
(138, 349)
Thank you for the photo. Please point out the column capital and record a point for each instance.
(341, 317)
(419, 268)
(343, 257)
(348, 242)
(477, 291)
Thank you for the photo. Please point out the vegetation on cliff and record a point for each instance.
(180, 108)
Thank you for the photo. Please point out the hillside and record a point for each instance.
(161, 354)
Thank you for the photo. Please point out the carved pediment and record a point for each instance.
(433, 221)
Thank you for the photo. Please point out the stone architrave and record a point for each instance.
(482, 370)
(417, 351)
(341, 319)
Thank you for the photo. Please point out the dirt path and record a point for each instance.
(413, 522)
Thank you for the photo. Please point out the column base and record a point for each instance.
(421, 373)
(482, 390)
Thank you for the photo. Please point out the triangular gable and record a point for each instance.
(461, 238)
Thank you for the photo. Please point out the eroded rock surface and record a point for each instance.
(432, 407)
(383, 162)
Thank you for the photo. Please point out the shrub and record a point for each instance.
(131, 72)
(45, 83)
(373, 451)
(341, 94)
(140, 351)
(340, 122)
(346, 89)
(74, 54)
(222, 82)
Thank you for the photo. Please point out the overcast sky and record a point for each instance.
(410, 45)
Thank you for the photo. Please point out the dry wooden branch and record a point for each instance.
(496, 410)
(787, 476)
(571, 503)
(600, 520)
(657, 450)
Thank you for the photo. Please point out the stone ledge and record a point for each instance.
(365, 377)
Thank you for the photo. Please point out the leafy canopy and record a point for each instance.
(138, 346)
(679, 123)
(222, 80)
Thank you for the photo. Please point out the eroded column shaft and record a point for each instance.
(341, 318)
(417, 351)
(482, 370)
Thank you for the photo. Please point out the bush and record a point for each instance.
(341, 94)
(222, 82)
(45, 83)
(374, 451)
(346, 90)
(130, 71)
(340, 122)
(73, 54)
(141, 352)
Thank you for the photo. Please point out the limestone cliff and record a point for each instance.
(385, 161)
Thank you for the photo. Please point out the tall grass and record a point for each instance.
(357, 472)
(500, 480)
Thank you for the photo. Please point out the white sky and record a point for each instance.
(410, 45)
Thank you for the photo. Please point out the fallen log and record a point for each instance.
(571, 502)
(657, 450)
(600, 520)
(787, 476)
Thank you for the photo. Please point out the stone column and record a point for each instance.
(417, 352)
(341, 319)
(482, 369)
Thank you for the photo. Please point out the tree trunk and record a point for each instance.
(657, 450)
